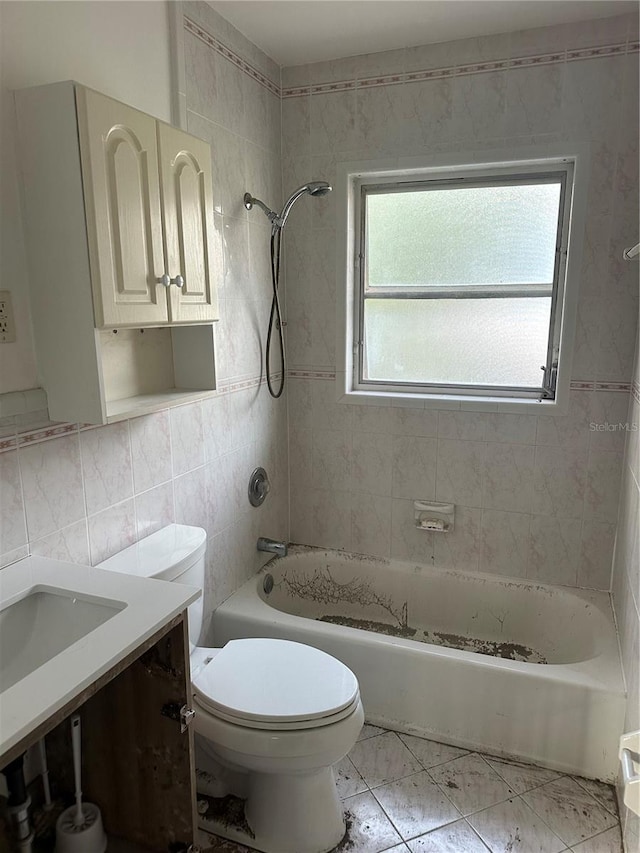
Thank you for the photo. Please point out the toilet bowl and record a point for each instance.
(274, 714)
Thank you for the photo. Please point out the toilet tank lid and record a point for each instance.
(164, 555)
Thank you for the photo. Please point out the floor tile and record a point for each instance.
(429, 752)
(470, 783)
(415, 805)
(512, 827)
(457, 837)
(369, 830)
(569, 810)
(607, 842)
(603, 794)
(521, 776)
(368, 731)
(348, 781)
(383, 759)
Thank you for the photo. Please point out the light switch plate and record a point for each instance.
(7, 323)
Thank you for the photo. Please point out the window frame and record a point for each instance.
(497, 174)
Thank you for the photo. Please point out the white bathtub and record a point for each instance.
(566, 713)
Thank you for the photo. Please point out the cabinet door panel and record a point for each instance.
(193, 248)
(120, 170)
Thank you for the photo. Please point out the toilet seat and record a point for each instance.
(275, 684)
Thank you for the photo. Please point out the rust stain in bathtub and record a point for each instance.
(508, 651)
(370, 625)
(322, 587)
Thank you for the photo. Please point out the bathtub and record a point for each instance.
(508, 667)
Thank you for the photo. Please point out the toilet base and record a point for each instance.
(298, 813)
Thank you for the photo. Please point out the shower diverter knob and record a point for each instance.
(259, 486)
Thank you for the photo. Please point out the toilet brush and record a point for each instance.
(79, 828)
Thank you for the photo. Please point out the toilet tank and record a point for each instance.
(175, 553)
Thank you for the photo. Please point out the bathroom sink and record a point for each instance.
(43, 623)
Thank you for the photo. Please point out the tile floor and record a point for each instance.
(405, 794)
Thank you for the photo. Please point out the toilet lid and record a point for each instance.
(262, 680)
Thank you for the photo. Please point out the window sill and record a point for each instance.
(513, 405)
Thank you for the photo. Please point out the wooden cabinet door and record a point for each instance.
(193, 250)
(121, 185)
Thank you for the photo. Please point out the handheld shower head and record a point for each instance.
(319, 188)
(313, 188)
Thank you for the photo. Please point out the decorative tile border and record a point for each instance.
(408, 76)
(311, 374)
(238, 61)
(36, 436)
(464, 70)
(625, 387)
(582, 385)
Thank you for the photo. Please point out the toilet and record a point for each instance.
(272, 716)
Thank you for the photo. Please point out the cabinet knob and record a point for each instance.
(167, 282)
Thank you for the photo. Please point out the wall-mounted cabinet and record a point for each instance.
(121, 235)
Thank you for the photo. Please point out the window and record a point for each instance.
(460, 280)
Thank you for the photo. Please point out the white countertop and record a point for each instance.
(150, 604)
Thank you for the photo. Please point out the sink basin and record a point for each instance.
(43, 623)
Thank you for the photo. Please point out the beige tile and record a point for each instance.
(369, 830)
(383, 759)
(521, 776)
(454, 838)
(370, 731)
(470, 783)
(512, 827)
(348, 781)
(106, 466)
(415, 805)
(603, 794)
(607, 842)
(569, 810)
(429, 752)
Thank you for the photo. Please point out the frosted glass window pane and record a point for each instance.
(500, 342)
(463, 235)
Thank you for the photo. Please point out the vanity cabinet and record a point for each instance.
(137, 763)
(121, 237)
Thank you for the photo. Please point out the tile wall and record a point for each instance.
(626, 585)
(82, 494)
(536, 496)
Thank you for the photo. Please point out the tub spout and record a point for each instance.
(272, 547)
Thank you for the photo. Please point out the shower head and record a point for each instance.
(319, 188)
(313, 188)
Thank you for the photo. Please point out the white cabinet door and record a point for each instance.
(120, 173)
(193, 250)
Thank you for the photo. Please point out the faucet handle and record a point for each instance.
(259, 487)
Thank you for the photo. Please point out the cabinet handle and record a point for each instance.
(167, 282)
